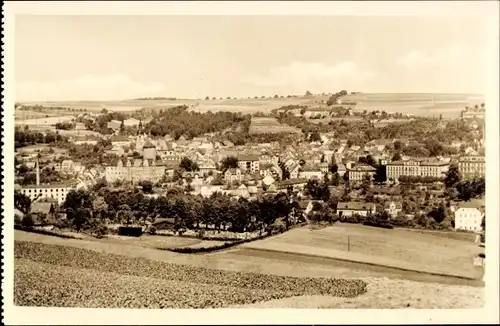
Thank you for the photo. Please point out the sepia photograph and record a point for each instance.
(250, 161)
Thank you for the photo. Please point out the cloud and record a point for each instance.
(454, 54)
(87, 87)
(317, 77)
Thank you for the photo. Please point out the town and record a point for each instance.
(95, 171)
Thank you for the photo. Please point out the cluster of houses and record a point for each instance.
(260, 168)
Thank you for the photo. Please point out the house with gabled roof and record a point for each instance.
(355, 208)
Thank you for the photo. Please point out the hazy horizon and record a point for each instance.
(110, 58)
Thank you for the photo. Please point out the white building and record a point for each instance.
(469, 217)
(52, 191)
(139, 170)
(355, 208)
(416, 168)
(358, 172)
(248, 163)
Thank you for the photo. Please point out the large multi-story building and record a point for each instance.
(358, 172)
(44, 191)
(248, 163)
(136, 171)
(471, 166)
(51, 191)
(416, 168)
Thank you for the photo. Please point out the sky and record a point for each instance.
(124, 57)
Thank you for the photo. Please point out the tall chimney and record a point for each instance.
(37, 172)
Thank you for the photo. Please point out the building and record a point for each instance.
(471, 166)
(248, 163)
(233, 175)
(267, 169)
(47, 191)
(358, 172)
(52, 191)
(67, 165)
(149, 151)
(341, 169)
(119, 141)
(416, 168)
(393, 208)
(310, 172)
(81, 140)
(290, 184)
(355, 208)
(469, 217)
(139, 170)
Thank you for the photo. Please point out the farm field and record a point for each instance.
(397, 248)
(405, 287)
(265, 125)
(419, 104)
(423, 104)
(244, 106)
(383, 293)
(47, 121)
(91, 279)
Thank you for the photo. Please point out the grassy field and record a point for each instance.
(396, 248)
(265, 125)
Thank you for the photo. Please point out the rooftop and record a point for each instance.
(358, 206)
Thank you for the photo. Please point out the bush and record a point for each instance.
(28, 221)
(384, 225)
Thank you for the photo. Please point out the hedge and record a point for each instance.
(45, 232)
(226, 245)
(379, 225)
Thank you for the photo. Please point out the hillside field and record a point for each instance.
(419, 104)
(422, 104)
(271, 125)
(397, 248)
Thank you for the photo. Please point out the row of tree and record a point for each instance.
(25, 137)
(85, 209)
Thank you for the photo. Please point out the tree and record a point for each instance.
(438, 213)
(346, 177)
(308, 93)
(122, 128)
(452, 177)
(317, 190)
(22, 202)
(396, 157)
(315, 137)
(78, 205)
(333, 168)
(147, 186)
(335, 179)
(229, 162)
(276, 96)
(380, 175)
(207, 98)
(188, 165)
(28, 221)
